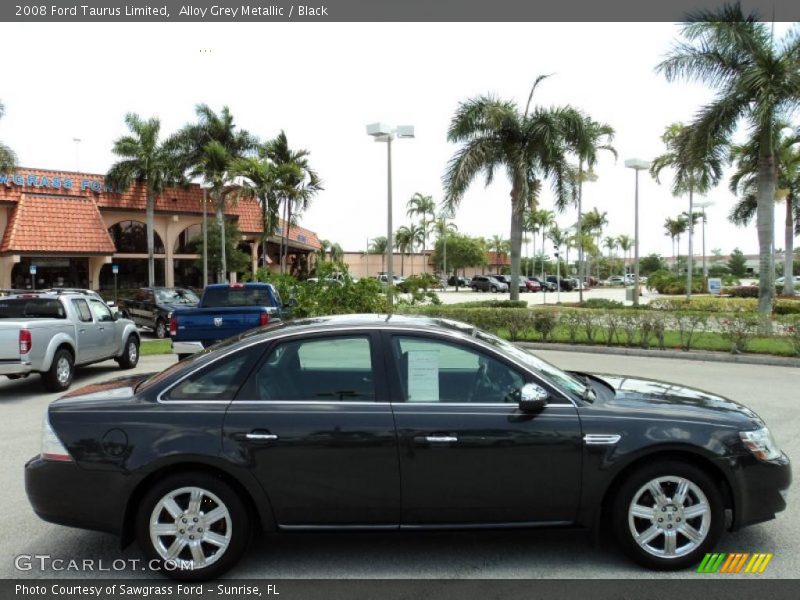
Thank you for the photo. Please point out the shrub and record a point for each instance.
(630, 324)
(603, 303)
(743, 291)
(544, 323)
(572, 321)
(588, 322)
(793, 332)
(738, 330)
(688, 324)
(612, 322)
(705, 304)
(491, 304)
(786, 306)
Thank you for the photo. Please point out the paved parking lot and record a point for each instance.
(771, 391)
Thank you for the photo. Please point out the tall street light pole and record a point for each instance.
(704, 206)
(637, 164)
(384, 133)
(447, 213)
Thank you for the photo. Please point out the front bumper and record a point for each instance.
(186, 347)
(65, 494)
(15, 368)
(759, 489)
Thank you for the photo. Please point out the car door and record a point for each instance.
(467, 453)
(87, 331)
(315, 424)
(105, 331)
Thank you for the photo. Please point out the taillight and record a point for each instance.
(173, 326)
(263, 319)
(236, 285)
(52, 447)
(25, 341)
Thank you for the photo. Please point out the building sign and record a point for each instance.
(43, 182)
(714, 286)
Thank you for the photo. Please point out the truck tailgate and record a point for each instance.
(9, 340)
(214, 324)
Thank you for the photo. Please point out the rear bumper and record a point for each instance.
(186, 347)
(65, 494)
(15, 368)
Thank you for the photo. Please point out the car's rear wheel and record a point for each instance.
(59, 376)
(130, 353)
(474, 288)
(668, 515)
(194, 525)
(160, 329)
(494, 289)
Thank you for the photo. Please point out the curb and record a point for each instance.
(694, 355)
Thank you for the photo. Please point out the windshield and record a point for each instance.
(177, 296)
(545, 369)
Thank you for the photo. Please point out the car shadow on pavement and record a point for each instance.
(27, 387)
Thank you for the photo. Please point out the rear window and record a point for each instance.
(236, 297)
(21, 308)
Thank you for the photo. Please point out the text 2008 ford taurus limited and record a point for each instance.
(369, 422)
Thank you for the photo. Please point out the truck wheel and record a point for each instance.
(58, 377)
(494, 289)
(130, 353)
(160, 329)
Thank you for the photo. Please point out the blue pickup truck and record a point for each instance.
(225, 310)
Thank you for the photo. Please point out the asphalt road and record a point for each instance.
(771, 391)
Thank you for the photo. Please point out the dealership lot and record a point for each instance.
(771, 391)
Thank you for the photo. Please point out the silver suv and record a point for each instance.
(487, 283)
(53, 332)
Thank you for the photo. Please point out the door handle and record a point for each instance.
(436, 439)
(261, 436)
(102, 328)
(82, 330)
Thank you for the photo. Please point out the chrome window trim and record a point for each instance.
(382, 326)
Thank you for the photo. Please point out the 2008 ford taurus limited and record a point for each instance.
(397, 423)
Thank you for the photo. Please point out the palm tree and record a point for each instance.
(443, 227)
(422, 206)
(8, 159)
(757, 81)
(530, 146)
(611, 244)
(743, 184)
(693, 173)
(336, 252)
(530, 225)
(593, 223)
(296, 187)
(625, 244)
(674, 228)
(598, 136)
(544, 219)
(210, 149)
(148, 161)
(418, 235)
(379, 246)
(403, 243)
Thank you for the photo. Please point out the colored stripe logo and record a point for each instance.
(735, 562)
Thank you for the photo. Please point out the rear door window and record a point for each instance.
(82, 308)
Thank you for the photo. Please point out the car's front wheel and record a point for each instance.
(194, 525)
(667, 515)
(494, 289)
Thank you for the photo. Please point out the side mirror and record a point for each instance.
(532, 398)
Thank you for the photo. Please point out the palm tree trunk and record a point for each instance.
(690, 253)
(788, 258)
(222, 274)
(285, 258)
(544, 237)
(765, 216)
(581, 269)
(517, 209)
(151, 267)
(267, 230)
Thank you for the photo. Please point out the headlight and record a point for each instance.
(52, 448)
(760, 444)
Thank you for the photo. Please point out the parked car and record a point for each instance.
(225, 310)
(51, 333)
(547, 286)
(532, 284)
(369, 422)
(565, 284)
(618, 280)
(152, 307)
(507, 280)
(487, 283)
(781, 280)
(459, 281)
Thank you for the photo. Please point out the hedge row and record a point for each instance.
(620, 327)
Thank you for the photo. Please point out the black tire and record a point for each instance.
(53, 382)
(182, 356)
(130, 353)
(634, 483)
(160, 330)
(240, 524)
(494, 289)
(474, 288)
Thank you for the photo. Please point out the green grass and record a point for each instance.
(149, 348)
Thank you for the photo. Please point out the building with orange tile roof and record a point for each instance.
(73, 228)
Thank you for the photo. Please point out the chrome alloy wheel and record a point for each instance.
(133, 352)
(669, 517)
(63, 370)
(191, 524)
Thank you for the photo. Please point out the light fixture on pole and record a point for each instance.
(637, 164)
(703, 206)
(384, 133)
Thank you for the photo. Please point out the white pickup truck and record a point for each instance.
(53, 332)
